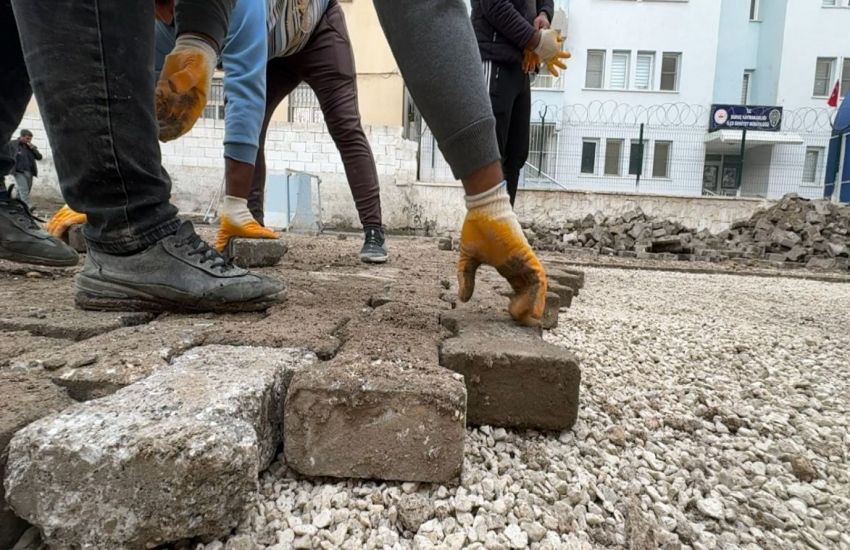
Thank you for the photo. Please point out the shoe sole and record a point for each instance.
(36, 260)
(104, 296)
(374, 259)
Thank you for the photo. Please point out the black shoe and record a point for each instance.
(22, 240)
(373, 251)
(179, 273)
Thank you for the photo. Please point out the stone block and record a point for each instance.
(549, 320)
(565, 293)
(174, 456)
(27, 396)
(250, 253)
(513, 378)
(821, 263)
(566, 279)
(445, 243)
(76, 240)
(376, 421)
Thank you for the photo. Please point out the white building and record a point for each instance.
(663, 63)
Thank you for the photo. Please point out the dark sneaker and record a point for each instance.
(373, 251)
(23, 240)
(179, 273)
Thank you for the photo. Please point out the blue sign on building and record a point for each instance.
(745, 117)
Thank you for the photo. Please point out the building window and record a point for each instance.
(644, 70)
(811, 166)
(215, 106)
(543, 144)
(745, 87)
(619, 70)
(613, 157)
(589, 147)
(661, 160)
(595, 69)
(304, 105)
(823, 75)
(754, 10)
(670, 65)
(845, 77)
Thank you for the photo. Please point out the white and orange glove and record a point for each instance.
(184, 84)
(492, 235)
(237, 221)
(548, 52)
(62, 221)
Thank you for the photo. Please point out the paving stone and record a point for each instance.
(821, 263)
(376, 421)
(549, 320)
(14, 344)
(27, 396)
(445, 243)
(76, 240)
(174, 456)
(563, 292)
(256, 252)
(102, 365)
(513, 377)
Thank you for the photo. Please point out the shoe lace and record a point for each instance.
(373, 238)
(197, 247)
(19, 208)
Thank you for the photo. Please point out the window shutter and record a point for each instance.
(823, 74)
(845, 77)
(643, 71)
(619, 70)
(595, 69)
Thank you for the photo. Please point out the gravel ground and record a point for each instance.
(713, 415)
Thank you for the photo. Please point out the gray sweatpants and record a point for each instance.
(434, 45)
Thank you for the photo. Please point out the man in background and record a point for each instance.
(505, 29)
(26, 156)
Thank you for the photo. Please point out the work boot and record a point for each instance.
(373, 251)
(23, 240)
(179, 273)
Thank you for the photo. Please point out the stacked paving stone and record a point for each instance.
(793, 232)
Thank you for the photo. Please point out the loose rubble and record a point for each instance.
(792, 232)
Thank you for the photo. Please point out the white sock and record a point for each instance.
(236, 210)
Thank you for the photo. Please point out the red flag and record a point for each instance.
(833, 98)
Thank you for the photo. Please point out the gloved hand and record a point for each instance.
(492, 235)
(181, 93)
(237, 221)
(530, 61)
(549, 44)
(557, 62)
(62, 221)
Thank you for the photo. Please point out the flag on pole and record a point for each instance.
(833, 97)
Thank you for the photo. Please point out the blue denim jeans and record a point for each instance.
(91, 68)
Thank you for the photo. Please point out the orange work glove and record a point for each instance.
(62, 221)
(557, 62)
(492, 235)
(237, 221)
(181, 93)
(530, 61)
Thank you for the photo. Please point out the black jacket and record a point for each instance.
(25, 157)
(504, 27)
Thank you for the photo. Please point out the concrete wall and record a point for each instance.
(737, 50)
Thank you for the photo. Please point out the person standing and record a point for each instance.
(505, 29)
(26, 156)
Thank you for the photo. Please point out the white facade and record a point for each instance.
(664, 63)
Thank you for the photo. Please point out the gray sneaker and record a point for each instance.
(179, 273)
(374, 250)
(22, 240)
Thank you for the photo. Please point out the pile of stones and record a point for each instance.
(793, 232)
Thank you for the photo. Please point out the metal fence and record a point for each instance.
(304, 105)
(663, 149)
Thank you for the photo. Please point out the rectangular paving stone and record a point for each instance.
(549, 320)
(566, 279)
(27, 396)
(376, 421)
(171, 457)
(565, 293)
(514, 379)
(256, 252)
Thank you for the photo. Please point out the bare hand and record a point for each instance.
(541, 21)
